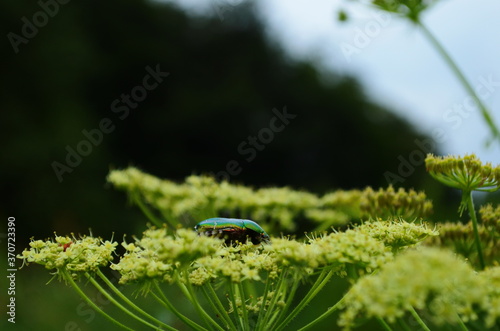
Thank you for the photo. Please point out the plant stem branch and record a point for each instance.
(323, 278)
(241, 292)
(84, 296)
(118, 304)
(289, 297)
(262, 309)
(324, 315)
(232, 297)
(420, 322)
(465, 83)
(130, 303)
(164, 300)
(278, 289)
(145, 209)
(194, 300)
(472, 213)
(462, 325)
(219, 307)
(384, 324)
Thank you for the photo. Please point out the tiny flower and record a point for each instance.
(199, 276)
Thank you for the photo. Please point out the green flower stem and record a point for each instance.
(232, 297)
(194, 300)
(216, 309)
(324, 315)
(465, 83)
(289, 298)
(274, 317)
(262, 309)
(145, 209)
(403, 324)
(250, 290)
(130, 303)
(187, 289)
(84, 296)
(212, 297)
(183, 288)
(241, 292)
(279, 289)
(116, 303)
(470, 206)
(384, 324)
(167, 304)
(418, 319)
(323, 278)
(462, 324)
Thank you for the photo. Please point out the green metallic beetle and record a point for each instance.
(232, 230)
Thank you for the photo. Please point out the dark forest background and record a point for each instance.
(225, 78)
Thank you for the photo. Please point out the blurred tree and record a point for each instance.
(216, 105)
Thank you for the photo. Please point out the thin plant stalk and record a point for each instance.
(472, 213)
(461, 324)
(275, 309)
(216, 309)
(212, 297)
(460, 76)
(290, 297)
(232, 297)
(241, 292)
(384, 324)
(250, 289)
(323, 278)
(116, 303)
(145, 209)
(194, 300)
(419, 320)
(402, 324)
(279, 289)
(324, 315)
(130, 303)
(263, 304)
(84, 296)
(164, 301)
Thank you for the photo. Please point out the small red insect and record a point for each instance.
(65, 246)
